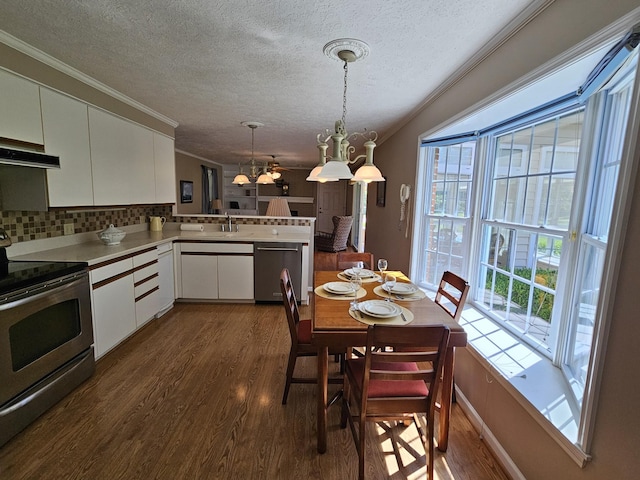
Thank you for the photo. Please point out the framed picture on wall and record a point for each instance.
(381, 193)
(186, 191)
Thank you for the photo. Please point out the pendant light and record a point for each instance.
(241, 178)
(336, 166)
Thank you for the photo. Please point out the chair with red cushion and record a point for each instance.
(300, 332)
(395, 385)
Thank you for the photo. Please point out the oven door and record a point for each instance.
(42, 329)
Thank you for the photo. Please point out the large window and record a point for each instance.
(528, 211)
(446, 215)
(528, 226)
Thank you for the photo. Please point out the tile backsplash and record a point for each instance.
(25, 226)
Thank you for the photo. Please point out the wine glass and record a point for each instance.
(356, 283)
(382, 266)
(389, 283)
(357, 268)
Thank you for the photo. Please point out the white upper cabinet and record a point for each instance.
(165, 168)
(66, 134)
(20, 117)
(122, 160)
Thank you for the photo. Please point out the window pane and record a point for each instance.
(544, 137)
(515, 200)
(581, 333)
(560, 197)
(568, 143)
(536, 200)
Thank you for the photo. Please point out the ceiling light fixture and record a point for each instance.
(241, 178)
(336, 166)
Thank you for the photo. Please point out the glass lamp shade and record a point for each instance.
(335, 170)
(368, 174)
(240, 179)
(313, 176)
(275, 175)
(265, 179)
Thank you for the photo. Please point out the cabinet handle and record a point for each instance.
(276, 249)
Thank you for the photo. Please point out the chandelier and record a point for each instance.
(241, 178)
(336, 167)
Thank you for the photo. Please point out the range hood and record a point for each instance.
(9, 156)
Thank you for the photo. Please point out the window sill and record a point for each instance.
(537, 385)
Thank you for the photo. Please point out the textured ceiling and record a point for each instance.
(209, 65)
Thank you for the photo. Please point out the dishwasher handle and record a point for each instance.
(276, 249)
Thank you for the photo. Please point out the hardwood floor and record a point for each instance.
(196, 395)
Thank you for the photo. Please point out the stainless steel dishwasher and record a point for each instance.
(269, 258)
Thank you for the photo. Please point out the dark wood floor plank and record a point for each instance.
(196, 395)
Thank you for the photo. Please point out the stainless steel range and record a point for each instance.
(46, 336)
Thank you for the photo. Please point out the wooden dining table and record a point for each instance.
(333, 326)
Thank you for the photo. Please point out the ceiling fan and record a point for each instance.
(274, 168)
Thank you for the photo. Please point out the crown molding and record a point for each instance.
(52, 62)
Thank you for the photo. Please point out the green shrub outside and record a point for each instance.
(542, 301)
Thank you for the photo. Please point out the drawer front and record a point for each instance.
(145, 286)
(165, 247)
(146, 257)
(139, 275)
(110, 270)
(147, 307)
(217, 247)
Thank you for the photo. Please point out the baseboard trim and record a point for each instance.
(486, 436)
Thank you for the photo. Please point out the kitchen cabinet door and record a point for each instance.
(122, 160)
(114, 313)
(20, 106)
(199, 276)
(235, 277)
(66, 134)
(165, 168)
(166, 271)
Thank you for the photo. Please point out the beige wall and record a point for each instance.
(189, 168)
(617, 430)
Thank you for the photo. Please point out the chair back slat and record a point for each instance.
(422, 345)
(290, 303)
(455, 290)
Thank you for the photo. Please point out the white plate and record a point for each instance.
(402, 288)
(379, 308)
(364, 273)
(340, 288)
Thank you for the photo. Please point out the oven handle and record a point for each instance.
(29, 294)
(61, 375)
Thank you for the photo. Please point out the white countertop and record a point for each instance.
(93, 251)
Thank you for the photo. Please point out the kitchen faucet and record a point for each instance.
(229, 223)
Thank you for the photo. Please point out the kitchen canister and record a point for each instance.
(156, 223)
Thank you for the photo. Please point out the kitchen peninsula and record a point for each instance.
(139, 279)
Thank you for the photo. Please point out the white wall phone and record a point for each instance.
(405, 193)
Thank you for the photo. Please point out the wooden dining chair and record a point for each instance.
(451, 296)
(348, 259)
(395, 385)
(300, 333)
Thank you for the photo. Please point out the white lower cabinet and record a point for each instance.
(146, 289)
(166, 282)
(112, 303)
(125, 294)
(235, 277)
(216, 271)
(199, 276)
